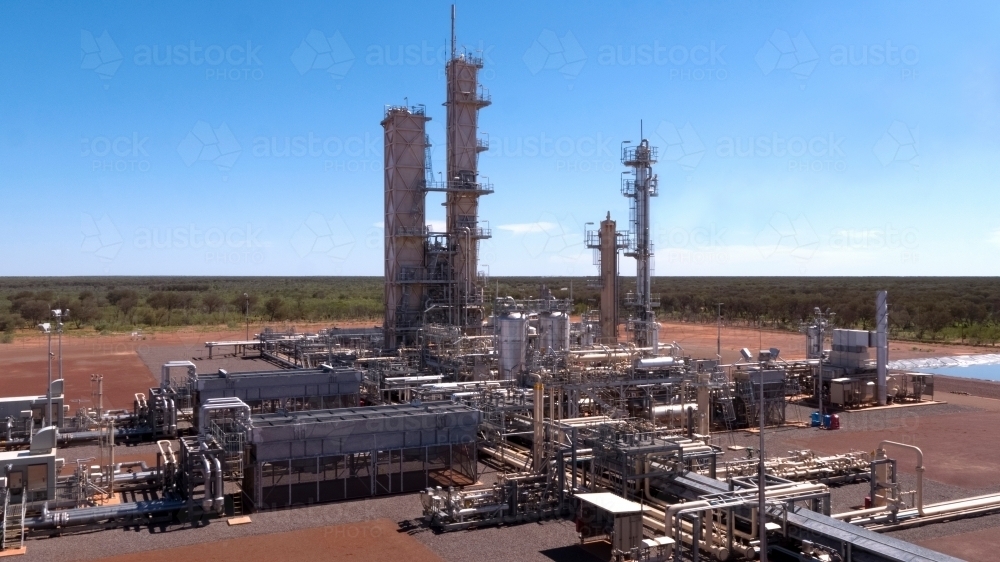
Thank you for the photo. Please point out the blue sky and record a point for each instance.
(820, 138)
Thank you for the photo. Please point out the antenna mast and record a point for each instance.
(452, 31)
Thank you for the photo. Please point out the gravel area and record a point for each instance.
(154, 358)
(945, 385)
(956, 438)
(526, 542)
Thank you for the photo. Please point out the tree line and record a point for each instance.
(962, 309)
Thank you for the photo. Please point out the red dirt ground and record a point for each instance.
(23, 363)
(961, 449)
(374, 541)
(976, 545)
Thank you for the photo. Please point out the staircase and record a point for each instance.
(234, 507)
(13, 523)
(720, 380)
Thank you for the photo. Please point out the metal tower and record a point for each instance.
(446, 286)
(465, 97)
(639, 188)
(607, 242)
(406, 146)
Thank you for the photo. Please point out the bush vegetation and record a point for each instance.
(956, 309)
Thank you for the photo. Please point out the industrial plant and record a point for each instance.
(598, 418)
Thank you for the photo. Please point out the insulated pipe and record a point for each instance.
(173, 416)
(220, 504)
(671, 511)
(920, 471)
(222, 404)
(168, 455)
(206, 470)
(91, 515)
(165, 371)
(943, 509)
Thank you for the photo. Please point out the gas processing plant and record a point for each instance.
(598, 418)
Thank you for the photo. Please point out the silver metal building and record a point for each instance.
(320, 456)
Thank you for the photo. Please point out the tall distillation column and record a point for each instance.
(639, 188)
(465, 97)
(606, 242)
(404, 165)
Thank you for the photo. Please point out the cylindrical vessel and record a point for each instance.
(513, 344)
(554, 331)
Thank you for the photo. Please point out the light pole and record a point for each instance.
(46, 328)
(246, 298)
(60, 314)
(718, 337)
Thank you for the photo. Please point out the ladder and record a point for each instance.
(237, 504)
(13, 523)
(726, 397)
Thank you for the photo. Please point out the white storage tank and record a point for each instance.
(554, 331)
(513, 344)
